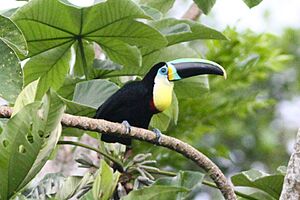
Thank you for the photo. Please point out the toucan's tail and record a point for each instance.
(114, 139)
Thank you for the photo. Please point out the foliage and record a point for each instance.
(289, 44)
(105, 182)
(24, 147)
(230, 123)
(271, 185)
(12, 42)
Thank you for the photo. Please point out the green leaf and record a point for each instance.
(24, 146)
(88, 196)
(52, 28)
(25, 97)
(271, 184)
(1, 126)
(103, 67)
(154, 13)
(161, 192)
(67, 90)
(162, 6)
(178, 187)
(162, 120)
(49, 67)
(166, 54)
(10, 74)
(121, 52)
(85, 54)
(205, 5)
(76, 132)
(78, 109)
(192, 87)
(12, 42)
(94, 92)
(46, 187)
(73, 185)
(187, 179)
(8, 12)
(12, 36)
(105, 182)
(177, 31)
(252, 3)
(257, 195)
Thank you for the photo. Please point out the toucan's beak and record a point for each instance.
(187, 67)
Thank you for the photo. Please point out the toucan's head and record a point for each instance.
(187, 67)
(161, 75)
(184, 68)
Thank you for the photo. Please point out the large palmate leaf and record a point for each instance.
(270, 184)
(24, 148)
(52, 28)
(176, 31)
(165, 54)
(12, 42)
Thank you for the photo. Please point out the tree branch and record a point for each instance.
(291, 185)
(193, 13)
(106, 127)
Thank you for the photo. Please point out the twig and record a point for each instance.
(114, 160)
(106, 127)
(193, 13)
(291, 185)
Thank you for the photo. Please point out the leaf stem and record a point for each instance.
(204, 182)
(83, 58)
(114, 160)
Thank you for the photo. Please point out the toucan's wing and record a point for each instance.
(125, 97)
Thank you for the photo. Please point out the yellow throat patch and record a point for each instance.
(162, 93)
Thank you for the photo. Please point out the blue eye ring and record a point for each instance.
(164, 70)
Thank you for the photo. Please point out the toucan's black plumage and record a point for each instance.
(135, 102)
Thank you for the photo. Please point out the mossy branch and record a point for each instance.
(106, 127)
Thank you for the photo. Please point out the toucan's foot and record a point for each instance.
(158, 134)
(127, 126)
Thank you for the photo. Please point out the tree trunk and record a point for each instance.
(291, 185)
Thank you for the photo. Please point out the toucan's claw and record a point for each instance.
(158, 135)
(127, 126)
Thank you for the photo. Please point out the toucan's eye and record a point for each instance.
(164, 70)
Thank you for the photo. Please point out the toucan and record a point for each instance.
(136, 102)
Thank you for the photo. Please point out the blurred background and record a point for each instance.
(251, 119)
